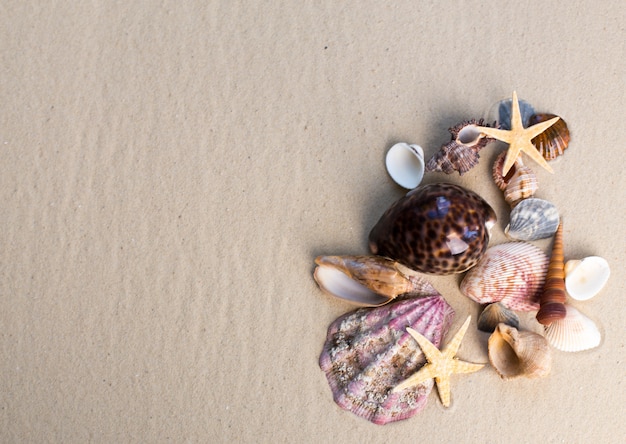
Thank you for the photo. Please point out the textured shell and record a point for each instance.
(553, 294)
(461, 153)
(511, 273)
(368, 280)
(494, 314)
(585, 278)
(532, 219)
(368, 352)
(437, 228)
(514, 353)
(575, 332)
(504, 113)
(553, 141)
(522, 185)
(501, 180)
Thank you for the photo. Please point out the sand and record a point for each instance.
(171, 169)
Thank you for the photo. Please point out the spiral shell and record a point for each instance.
(511, 273)
(532, 219)
(523, 184)
(516, 353)
(438, 228)
(553, 141)
(461, 153)
(553, 295)
(369, 281)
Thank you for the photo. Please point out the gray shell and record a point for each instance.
(533, 219)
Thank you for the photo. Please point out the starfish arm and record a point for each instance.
(423, 375)
(516, 116)
(509, 160)
(430, 351)
(443, 388)
(535, 130)
(535, 155)
(453, 346)
(465, 367)
(502, 135)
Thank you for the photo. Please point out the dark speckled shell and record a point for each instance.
(438, 228)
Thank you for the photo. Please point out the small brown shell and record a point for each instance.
(494, 314)
(553, 297)
(516, 353)
(553, 141)
(501, 180)
(523, 184)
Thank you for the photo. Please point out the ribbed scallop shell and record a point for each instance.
(368, 352)
(500, 180)
(515, 353)
(575, 332)
(511, 273)
(553, 294)
(553, 141)
(461, 153)
(494, 314)
(532, 219)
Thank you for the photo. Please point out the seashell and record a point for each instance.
(585, 278)
(553, 294)
(511, 273)
(504, 113)
(368, 352)
(522, 185)
(437, 228)
(368, 280)
(461, 153)
(494, 314)
(553, 141)
(532, 219)
(574, 332)
(405, 164)
(501, 180)
(514, 353)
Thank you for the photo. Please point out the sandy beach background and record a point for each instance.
(171, 169)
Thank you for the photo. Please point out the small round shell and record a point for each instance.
(585, 278)
(512, 273)
(553, 141)
(522, 185)
(575, 332)
(494, 314)
(405, 164)
(533, 219)
(516, 353)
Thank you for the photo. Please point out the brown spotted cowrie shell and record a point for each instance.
(437, 228)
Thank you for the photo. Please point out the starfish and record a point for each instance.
(519, 138)
(441, 364)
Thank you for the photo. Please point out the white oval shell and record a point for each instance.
(533, 219)
(585, 278)
(575, 332)
(512, 273)
(405, 164)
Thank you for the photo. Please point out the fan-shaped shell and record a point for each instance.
(575, 332)
(438, 228)
(368, 352)
(368, 280)
(553, 141)
(533, 219)
(494, 314)
(512, 273)
(585, 278)
(516, 353)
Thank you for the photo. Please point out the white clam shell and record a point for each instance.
(533, 219)
(512, 273)
(585, 278)
(405, 164)
(575, 332)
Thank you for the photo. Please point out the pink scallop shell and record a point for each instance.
(368, 352)
(511, 273)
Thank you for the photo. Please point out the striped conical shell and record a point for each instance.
(553, 295)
